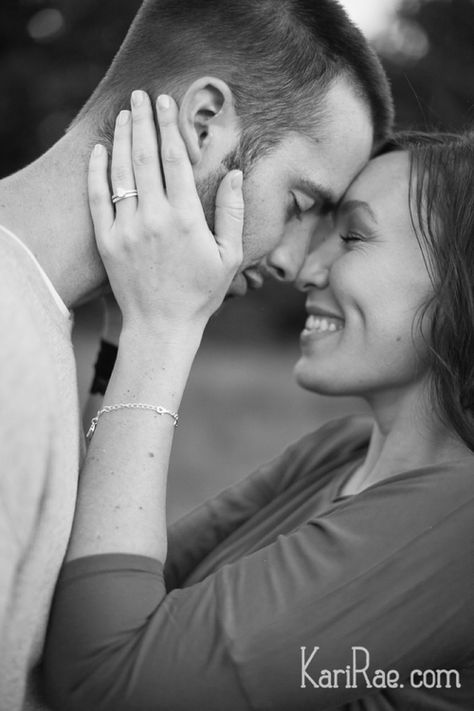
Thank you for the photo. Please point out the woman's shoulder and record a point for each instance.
(432, 504)
(337, 443)
(441, 486)
(344, 435)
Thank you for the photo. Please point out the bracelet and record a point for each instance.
(132, 406)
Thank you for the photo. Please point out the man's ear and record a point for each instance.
(208, 122)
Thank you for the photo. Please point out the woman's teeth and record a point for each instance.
(321, 324)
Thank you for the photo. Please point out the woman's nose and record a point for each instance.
(312, 275)
(316, 268)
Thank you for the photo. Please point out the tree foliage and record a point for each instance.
(431, 66)
(52, 55)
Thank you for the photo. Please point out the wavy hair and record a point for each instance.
(442, 212)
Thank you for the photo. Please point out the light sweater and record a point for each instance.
(40, 446)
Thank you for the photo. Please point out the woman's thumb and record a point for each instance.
(229, 217)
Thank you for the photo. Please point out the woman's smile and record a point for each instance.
(320, 324)
(365, 282)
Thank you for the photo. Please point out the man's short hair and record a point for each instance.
(279, 58)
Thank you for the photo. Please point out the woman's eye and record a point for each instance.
(351, 237)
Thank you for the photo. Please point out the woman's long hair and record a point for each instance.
(441, 195)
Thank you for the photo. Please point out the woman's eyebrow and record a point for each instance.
(350, 205)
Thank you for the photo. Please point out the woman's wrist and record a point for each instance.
(154, 365)
(165, 335)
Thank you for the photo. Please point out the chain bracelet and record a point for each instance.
(131, 406)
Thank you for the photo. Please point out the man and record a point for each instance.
(285, 89)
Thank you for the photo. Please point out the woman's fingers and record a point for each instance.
(99, 194)
(123, 178)
(146, 164)
(177, 169)
(229, 218)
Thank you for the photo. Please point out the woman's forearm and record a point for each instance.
(169, 273)
(122, 492)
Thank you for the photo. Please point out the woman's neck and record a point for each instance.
(407, 435)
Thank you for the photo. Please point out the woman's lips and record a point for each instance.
(323, 324)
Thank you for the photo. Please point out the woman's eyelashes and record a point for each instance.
(351, 237)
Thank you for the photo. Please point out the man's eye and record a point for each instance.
(299, 206)
(297, 210)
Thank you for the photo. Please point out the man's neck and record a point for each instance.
(46, 206)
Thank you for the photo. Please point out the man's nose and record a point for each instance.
(286, 259)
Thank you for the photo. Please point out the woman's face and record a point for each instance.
(365, 282)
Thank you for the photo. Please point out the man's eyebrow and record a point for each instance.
(350, 205)
(326, 198)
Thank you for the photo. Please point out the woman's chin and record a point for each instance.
(323, 378)
(309, 377)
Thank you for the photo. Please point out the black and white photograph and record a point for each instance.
(237, 355)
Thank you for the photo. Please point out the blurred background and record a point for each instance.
(241, 407)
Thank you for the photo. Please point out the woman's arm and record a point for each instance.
(168, 273)
(389, 571)
(194, 536)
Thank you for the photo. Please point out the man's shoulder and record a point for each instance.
(20, 327)
(23, 319)
(28, 393)
(15, 270)
(25, 361)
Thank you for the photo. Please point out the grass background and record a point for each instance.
(241, 407)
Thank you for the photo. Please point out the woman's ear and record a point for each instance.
(208, 122)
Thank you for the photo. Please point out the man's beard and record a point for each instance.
(207, 187)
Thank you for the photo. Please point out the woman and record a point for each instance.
(341, 574)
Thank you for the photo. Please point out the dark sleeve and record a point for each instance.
(390, 571)
(103, 367)
(194, 536)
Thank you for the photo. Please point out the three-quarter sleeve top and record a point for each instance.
(282, 595)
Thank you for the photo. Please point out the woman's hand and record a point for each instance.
(165, 266)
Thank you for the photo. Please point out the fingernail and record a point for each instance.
(163, 102)
(123, 117)
(237, 180)
(98, 150)
(138, 97)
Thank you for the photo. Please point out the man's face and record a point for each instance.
(287, 191)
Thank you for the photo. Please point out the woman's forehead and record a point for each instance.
(381, 177)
